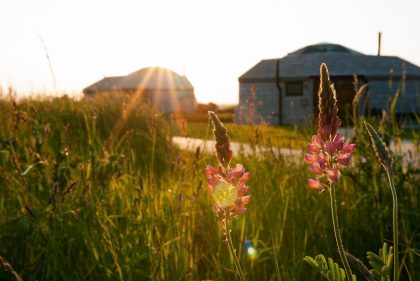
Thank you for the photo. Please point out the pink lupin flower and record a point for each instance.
(228, 188)
(329, 153)
(329, 150)
(226, 185)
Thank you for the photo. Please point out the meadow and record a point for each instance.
(95, 190)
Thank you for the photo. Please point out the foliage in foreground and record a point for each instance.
(85, 196)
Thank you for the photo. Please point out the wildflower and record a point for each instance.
(329, 151)
(226, 185)
(228, 189)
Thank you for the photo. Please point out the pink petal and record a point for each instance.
(238, 171)
(239, 168)
(330, 147)
(209, 170)
(317, 140)
(343, 159)
(339, 141)
(246, 199)
(322, 161)
(310, 158)
(245, 176)
(243, 190)
(349, 148)
(313, 148)
(333, 174)
(339, 138)
(212, 181)
(313, 184)
(240, 210)
(315, 167)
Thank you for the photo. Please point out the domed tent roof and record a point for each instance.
(341, 61)
(325, 47)
(148, 78)
(154, 78)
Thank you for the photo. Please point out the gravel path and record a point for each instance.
(409, 152)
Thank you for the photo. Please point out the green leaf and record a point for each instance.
(311, 261)
(382, 263)
(329, 269)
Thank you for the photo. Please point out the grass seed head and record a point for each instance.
(379, 147)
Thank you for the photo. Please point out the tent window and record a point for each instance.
(294, 89)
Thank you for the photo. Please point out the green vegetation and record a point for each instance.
(94, 190)
(261, 135)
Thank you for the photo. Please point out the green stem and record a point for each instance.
(338, 235)
(394, 222)
(232, 248)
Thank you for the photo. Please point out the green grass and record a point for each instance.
(262, 135)
(96, 191)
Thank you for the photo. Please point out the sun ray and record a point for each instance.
(158, 93)
(173, 93)
(138, 95)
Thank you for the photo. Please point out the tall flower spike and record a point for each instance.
(328, 121)
(329, 152)
(224, 153)
(227, 187)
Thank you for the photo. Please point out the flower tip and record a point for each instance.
(313, 184)
(313, 148)
(344, 159)
(310, 158)
(324, 70)
(246, 199)
(349, 148)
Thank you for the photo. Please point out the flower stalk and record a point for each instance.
(232, 249)
(394, 222)
(337, 233)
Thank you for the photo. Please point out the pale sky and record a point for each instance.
(212, 42)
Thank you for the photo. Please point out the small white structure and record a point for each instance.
(167, 91)
(286, 88)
